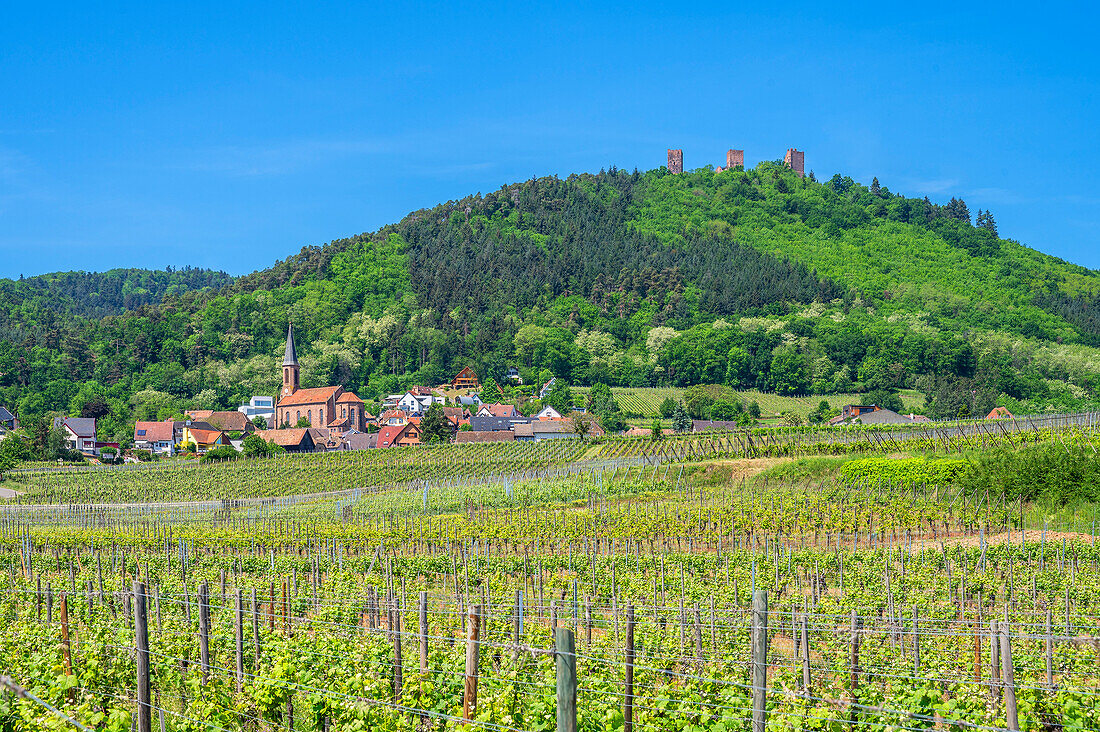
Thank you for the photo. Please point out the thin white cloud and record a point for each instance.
(935, 185)
(283, 157)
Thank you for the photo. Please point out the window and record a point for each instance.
(309, 415)
(343, 411)
(298, 416)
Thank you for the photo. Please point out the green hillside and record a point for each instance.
(758, 280)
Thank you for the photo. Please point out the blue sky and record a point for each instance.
(229, 137)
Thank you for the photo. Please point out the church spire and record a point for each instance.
(290, 365)
(291, 356)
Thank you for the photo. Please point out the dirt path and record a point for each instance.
(1030, 535)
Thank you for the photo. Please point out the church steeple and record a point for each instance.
(290, 364)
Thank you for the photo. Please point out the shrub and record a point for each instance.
(904, 470)
(1052, 471)
(218, 454)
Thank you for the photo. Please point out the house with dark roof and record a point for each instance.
(882, 416)
(8, 420)
(320, 406)
(156, 437)
(489, 423)
(79, 433)
(712, 425)
(546, 430)
(358, 441)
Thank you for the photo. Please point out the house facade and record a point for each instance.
(156, 437)
(325, 407)
(79, 433)
(8, 420)
(465, 379)
(399, 435)
(205, 436)
(259, 406)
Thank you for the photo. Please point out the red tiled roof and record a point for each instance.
(154, 431)
(499, 410)
(319, 395)
(205, 437)
(285, 438)
(467, 436)
(348, 398)
(199, 413)
(229, 421)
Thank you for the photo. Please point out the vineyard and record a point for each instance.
(646, 401)
(616, 585)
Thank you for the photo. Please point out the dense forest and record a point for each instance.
(753, 279)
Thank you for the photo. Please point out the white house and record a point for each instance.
(259, 406)
(548, 413)
(79, 432)
(417, 404)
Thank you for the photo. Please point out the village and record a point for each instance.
(329, 418)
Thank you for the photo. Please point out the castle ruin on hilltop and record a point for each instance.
(794, 159)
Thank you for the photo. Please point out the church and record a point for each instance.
(325, 407)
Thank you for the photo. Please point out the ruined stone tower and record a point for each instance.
(796, 161)
(675, 161)
(734, 159)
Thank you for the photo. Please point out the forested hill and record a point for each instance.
(96, 294)
(754, 279)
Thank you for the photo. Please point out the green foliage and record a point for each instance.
(904, 471)
(681, 420)
(219, 454)
(434, 427)
(753, 279)
(1052, 472)
(256, 446)
(560, 397)
(302, 422)
(668, 406)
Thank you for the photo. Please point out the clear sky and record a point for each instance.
(230, 135)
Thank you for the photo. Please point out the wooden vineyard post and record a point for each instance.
(423, 632)
(853, 660)
(517, 625)
(804, 649)
(566, 656)
(628, 691)
(141, 641)
(916, 645)
(395, 631)
(588, 622)
(238, 626)
(469, 698)
(1008, 675)
(759, 660)
(204, 632)
(423, 617)
(1048, 647)
(255, 631)
(66, 651)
